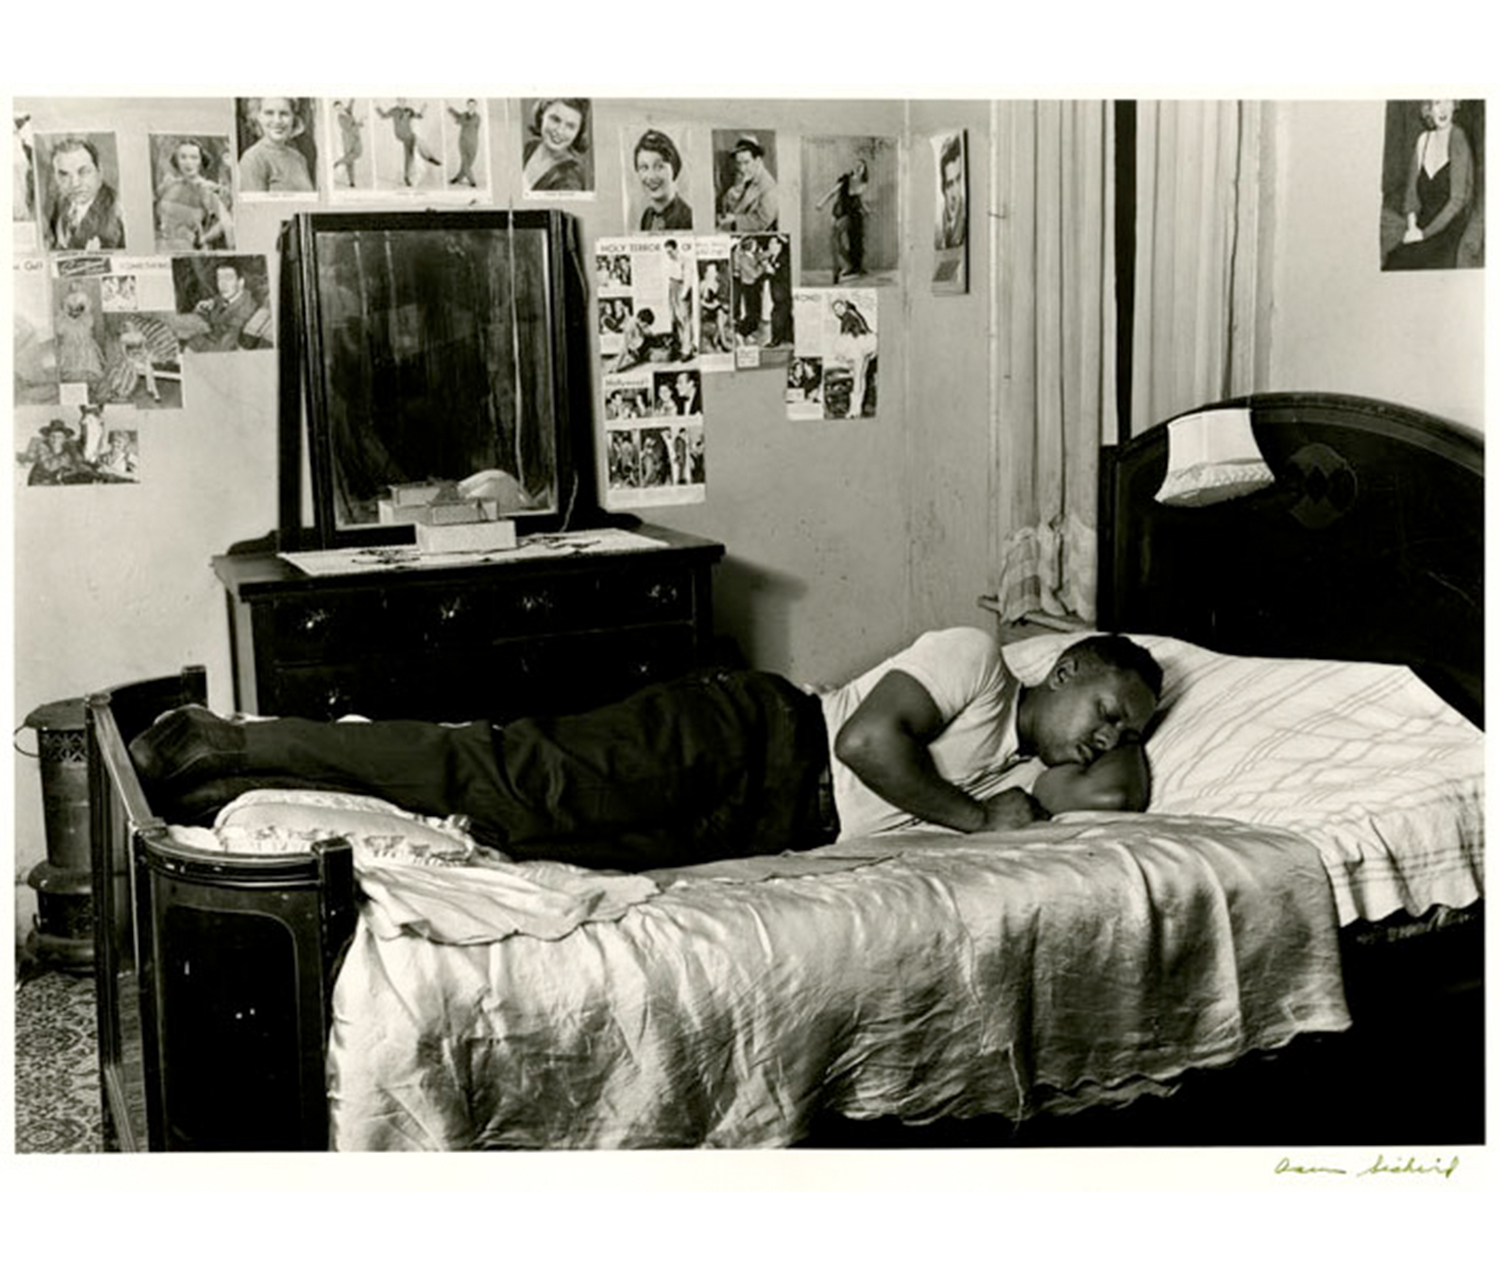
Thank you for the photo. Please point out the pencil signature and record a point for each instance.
(1411, 1166)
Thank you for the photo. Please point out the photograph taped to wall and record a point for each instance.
(142, 361)
(713, 313)
(839, 328)
(746, 195)
(615, 314)
(223, 303)
(804, 388)
(762, 298)
(191, 177)
(653, 464)
(850, 211)
(408, 146)
(278, 146)
(23, 185)
(654, 441)
(666, 181)
(34, 368)
(348, 126)
(950, 235)
(1432, 185)
(78, 183)
(557, 148)
(648, 283)
(466, 145)
(381, 148)
(135, 283)
(76, 446)
(78, 333)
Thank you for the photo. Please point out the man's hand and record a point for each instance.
(1013, 808)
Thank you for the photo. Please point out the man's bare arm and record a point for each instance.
(1117, 780)
(885, 742)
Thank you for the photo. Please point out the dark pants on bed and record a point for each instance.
(714, 765)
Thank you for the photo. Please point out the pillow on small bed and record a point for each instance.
(1364, 760)
(275, 821)
(426, 876)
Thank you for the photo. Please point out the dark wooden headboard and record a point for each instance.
(1369, 546)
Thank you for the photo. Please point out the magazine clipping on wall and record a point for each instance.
(35, 363)
(557, 148)
(666, 178)
(832, 372)
(76, 445)
(23, 186)
(223, 303)
(652, 388)
(761, 269)
(747, 197)
(278, 148)
(950, 265)
(115, 331)
(427, 148)
(1432, 185)
(77, 191)
(850, 211)
(713, 313)
(192, 184)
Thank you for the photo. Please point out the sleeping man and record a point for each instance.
(717, 764)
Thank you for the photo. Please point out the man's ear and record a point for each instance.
(1063, 671)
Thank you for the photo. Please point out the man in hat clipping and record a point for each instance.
(751, 202)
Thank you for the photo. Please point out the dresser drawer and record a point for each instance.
(327, 627)
(324, 692)
(465, 615)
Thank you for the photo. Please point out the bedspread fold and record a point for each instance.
(918, 975)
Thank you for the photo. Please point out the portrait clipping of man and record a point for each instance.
(79, 176)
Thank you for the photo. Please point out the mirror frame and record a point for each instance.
(303, 394)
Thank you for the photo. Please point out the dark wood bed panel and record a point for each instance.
(213, 974)
(1369, 546)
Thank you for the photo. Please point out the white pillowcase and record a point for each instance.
(276, 821)
(1365, 760)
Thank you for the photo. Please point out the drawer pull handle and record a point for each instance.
(315, 620)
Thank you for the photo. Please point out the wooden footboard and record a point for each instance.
(214, 971)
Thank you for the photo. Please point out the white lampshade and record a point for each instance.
(1212, 456)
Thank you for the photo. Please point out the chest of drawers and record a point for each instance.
(499, 640)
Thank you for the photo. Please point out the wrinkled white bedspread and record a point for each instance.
(916, 975)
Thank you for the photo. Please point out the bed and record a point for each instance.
(1291, 937)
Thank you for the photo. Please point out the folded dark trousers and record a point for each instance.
(714, 765)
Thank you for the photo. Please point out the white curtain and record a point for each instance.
(1204, 179)
(1205, 193)
(1053, 349)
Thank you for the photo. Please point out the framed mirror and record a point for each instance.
(432, 348)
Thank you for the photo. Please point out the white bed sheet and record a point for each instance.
(917, 975)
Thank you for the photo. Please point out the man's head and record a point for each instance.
(75, 170)
(953, 178)
(228, 280)
(747, 156)
(1101, 692)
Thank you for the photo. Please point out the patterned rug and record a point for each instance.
(57, 1070)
